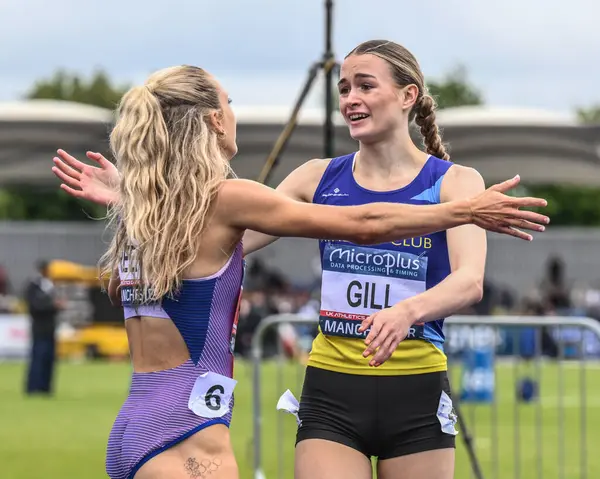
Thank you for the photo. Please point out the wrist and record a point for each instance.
(408, 311)
(464, 209)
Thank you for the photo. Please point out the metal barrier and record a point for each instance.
(544, 441)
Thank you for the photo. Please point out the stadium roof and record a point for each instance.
(52, 111)
(540, 145)
(462, 116)
(64, 111)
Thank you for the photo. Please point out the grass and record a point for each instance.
(65, 436)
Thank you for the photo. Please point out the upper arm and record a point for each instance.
(299, 185)
(467, 244)
(302, 183)
(246, 204)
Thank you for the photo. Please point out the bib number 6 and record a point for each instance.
(211, 395)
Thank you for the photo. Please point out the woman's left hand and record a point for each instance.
(388, 327)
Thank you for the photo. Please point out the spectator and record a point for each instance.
(555, 291)
(43, 306)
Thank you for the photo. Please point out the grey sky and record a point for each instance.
(528, 53)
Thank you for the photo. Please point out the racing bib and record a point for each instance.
(211, 395)
(359, 281)
(129, 275)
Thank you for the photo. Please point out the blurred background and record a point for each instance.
(517, 87)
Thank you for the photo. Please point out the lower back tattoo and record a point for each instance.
(201, 469)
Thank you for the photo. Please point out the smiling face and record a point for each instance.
(371, 102)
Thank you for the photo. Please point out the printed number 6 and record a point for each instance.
(212, 394)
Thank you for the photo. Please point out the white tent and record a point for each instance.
(543, 147)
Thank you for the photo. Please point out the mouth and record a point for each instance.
(356, 118)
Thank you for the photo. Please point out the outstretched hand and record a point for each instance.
(94, 183)
(494, 211)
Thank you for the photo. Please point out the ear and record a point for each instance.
(409, 95)
(216, 121)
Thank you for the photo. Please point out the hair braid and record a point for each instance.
(425, 119)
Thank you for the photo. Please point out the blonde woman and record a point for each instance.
(178, 250)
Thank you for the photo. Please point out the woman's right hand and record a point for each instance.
(494, 211)
(96, 184)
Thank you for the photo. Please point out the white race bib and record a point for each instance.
(211, 395)
(288, 403)
(359, 281)
(129, 276)
(446, 415)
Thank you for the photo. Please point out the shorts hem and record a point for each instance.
(172, 443)
(328, 436)
(421, 446)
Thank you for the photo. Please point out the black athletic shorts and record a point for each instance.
(383, 416)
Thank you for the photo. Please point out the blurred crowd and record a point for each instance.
(267, 292)
(11, 302)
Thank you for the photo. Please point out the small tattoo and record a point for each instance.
(203, 468)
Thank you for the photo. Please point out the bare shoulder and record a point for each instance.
(316, 166)
(302, 183)
(464, 174)
(460, 182)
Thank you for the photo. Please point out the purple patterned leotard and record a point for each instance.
(165, 407)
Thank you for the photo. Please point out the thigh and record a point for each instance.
(437, 464)
(335, 408)
(323, 459)
(206, 454)
(416, 415)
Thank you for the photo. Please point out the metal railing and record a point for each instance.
(534, 344)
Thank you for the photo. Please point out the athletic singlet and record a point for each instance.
(360, 280)
(205, 311)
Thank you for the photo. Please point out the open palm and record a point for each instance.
(94, 183)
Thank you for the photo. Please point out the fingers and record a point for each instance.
(524, 224)
(380, 337)
(385, 351)
(375, 328)
(528, 202)
(532, 216)
(73, 192)
(66, 169)
(507, 230)
(364, 325)
(506, 185)
(70, 160)
(69, 180)
(97, 157)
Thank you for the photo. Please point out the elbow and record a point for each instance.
(475, 289)
(364, 238)
(367, 234)
(369, 229)
(114, 298)
(113, 293)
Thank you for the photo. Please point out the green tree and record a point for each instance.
(590, 115)
(455, 90)
(24, 202)
(98, 90)
(569, 205)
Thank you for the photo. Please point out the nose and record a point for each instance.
(353, 99)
